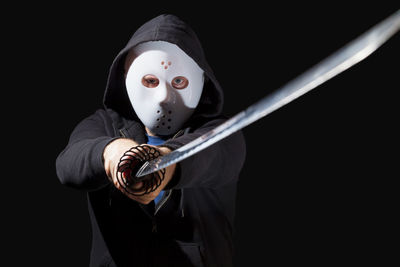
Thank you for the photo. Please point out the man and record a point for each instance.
(160, 95)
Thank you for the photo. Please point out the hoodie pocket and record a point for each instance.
(193, 253)
(107, 261)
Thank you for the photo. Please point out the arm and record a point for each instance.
(80, 164)
(90, 159)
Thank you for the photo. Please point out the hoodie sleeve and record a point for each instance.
(214, 166)
(80, 164)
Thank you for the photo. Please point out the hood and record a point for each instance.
(168, 28)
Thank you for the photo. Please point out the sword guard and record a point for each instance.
(132, 162)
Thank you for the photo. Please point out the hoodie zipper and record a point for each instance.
(169, 193)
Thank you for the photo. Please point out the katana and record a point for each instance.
(344, 58)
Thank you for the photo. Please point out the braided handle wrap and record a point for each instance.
(130, 163)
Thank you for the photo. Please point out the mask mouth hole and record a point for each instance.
(164, 120)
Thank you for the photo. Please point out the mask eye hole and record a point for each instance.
(150, 81)
(179, 82)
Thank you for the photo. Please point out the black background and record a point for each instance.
(318, 183)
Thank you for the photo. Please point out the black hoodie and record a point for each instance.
(193, 224)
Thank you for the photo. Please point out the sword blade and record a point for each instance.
(341, 60)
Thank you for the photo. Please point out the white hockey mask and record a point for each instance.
(164, 86)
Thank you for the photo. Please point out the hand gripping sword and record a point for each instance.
(341, 60)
